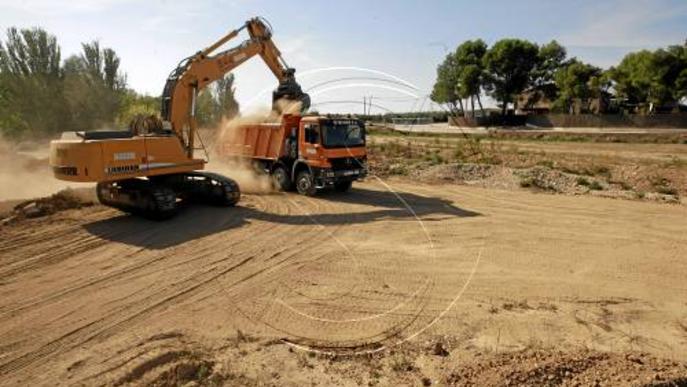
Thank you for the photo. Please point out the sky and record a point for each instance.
(345, 51)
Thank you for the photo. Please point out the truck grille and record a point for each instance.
(347, 163)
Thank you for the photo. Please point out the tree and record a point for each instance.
(551, 58)
(133, 104)
(651, 77)
(206, 108)
(31, 83)
(445, 90)
(227, 105)
(578, 82)
(30, 52)
(94, 87)
(680, 52)
(469, 58)
(508, 64)
(217, 102)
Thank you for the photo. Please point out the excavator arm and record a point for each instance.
(196, 72)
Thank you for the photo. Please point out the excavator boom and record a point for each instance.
(197, 71)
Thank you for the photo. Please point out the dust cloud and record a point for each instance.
(250, 179)
(25, 172)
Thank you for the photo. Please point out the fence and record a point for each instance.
(669, 121)
(608, 121)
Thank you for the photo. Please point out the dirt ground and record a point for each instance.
(394, 282)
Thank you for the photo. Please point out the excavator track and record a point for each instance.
(160, 197)
(206, 187)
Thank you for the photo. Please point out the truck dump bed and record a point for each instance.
(260, 140)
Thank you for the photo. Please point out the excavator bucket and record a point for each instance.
(289, 97)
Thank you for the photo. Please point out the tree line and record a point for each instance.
(42, 95)
(516, 71)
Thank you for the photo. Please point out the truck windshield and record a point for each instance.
(343, 133)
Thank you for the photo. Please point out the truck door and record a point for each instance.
(311, 142)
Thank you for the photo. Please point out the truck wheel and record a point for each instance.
(343, 186)
(281, 179)
(305, 184)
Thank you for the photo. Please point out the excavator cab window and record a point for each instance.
(312, 134)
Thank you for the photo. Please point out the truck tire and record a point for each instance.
(305, 184)
(343, 186)
(281, 179)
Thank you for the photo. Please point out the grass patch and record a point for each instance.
(434, 157)
(546, 163)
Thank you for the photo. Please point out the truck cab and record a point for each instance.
(330, 152)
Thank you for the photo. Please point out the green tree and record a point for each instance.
(133, 104)
(30, 52)
(577, 82)
(508, 64)
(217, 102)
(93, 86)
(206, 108)
(31, 83)
(551, 58)
(651, 77)
(680, 52)
(227, 105)
(101, 65)
(445, 89)
(469, 58)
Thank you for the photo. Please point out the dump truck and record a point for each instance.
(306, 153)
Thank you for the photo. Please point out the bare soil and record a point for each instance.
(465, 286)
(637, 171)
(470, 263)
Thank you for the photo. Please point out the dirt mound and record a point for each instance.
(548, 179)
(457, 172)
(63, 200)
(588, 368)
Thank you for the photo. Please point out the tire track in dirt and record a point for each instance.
(102, 328)
(355, 305)
(269, 244)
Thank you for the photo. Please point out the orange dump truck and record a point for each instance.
(304, 152)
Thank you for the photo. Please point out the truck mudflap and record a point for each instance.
(327, 177)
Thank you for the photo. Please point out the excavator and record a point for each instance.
(150, 168)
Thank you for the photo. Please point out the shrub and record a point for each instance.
(595, 186)
(546, 163)
(583, 181)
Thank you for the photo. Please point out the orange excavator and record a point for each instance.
(150, 168)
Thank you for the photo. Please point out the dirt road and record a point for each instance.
(93, 296)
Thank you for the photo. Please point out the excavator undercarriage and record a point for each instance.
(159, 197)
